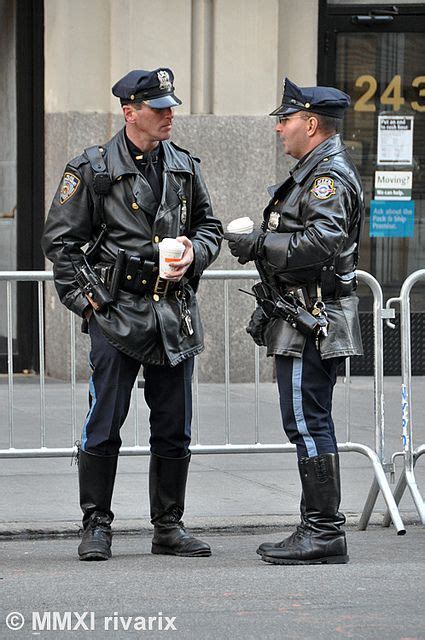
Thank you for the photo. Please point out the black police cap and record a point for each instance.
(327, 101)
(155, 88)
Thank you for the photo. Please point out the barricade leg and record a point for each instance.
(369, 505)
(382, 483)
(402, 484)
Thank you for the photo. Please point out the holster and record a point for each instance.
(285, 306)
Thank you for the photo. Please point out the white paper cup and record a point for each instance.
(241, 225)
(170, 250)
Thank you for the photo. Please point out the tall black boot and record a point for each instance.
(96, 478)
(167, 488)
(320, 538)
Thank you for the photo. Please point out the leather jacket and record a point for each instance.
(314, 221)
(145, 329)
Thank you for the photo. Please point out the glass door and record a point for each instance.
(373, 53)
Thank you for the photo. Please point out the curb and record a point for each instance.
(242, 525)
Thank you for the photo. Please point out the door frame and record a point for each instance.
(334, 18)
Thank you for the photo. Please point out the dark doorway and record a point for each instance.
(372, 53)
(22, 210)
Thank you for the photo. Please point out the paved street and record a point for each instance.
(379, 595)
(235, 502)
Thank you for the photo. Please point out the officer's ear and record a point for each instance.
(129, 112)
(312, 125)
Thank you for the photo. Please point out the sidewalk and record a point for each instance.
(226, 493)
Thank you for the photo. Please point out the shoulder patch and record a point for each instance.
(323, 188)
(70, 184)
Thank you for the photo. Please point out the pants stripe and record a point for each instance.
(93, 400)
(297, 371)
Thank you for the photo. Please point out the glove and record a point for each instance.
(246, 246)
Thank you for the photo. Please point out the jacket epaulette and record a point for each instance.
(176, 146)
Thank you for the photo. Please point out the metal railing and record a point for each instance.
(409, 453)
(376, 456)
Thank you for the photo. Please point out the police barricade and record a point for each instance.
(409, 453)
(376, 455)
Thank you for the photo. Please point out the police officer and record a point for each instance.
(123, 199)
(308, 246)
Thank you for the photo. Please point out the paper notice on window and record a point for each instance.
(395, 140)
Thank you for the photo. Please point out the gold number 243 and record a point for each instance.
(390, 95)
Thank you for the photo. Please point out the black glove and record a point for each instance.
(246, 246)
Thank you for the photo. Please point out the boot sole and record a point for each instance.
(94, 555)
(166, 551)
(325, 560)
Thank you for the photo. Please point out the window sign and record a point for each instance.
(391, 219)
(393, 185)
(395, 140)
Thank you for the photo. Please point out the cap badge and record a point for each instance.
(164, 80)
(274, 220)
(323, 188)
(69, 187)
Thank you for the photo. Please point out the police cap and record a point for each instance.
(155, 88)
(326, 101)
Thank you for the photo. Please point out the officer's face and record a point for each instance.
(293, 132)
(152, 125)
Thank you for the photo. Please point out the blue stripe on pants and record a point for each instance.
(297, 403)
(305, 388)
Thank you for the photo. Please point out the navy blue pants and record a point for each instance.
(306, 387)
(168, 394)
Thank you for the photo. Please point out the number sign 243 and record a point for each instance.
(391, 94)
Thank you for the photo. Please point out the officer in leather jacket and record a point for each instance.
(153, 190)
(308, 246)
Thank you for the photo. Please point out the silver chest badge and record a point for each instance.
(164, 80)
(274, 221)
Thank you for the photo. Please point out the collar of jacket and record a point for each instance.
(329, 147)
(119, 162)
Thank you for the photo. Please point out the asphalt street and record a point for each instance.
(231, 595)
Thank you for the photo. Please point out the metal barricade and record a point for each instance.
(409, 453)
(376, 456)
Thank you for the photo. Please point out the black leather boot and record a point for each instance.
(319, 539)
(96, 477)
(167, 488)
(269, 546)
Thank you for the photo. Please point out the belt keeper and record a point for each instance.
(161, 286)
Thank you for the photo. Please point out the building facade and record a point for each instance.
(229, 58)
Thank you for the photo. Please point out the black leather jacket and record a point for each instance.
(314, 221)
(137, 325)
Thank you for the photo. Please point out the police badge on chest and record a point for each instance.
(274, 221)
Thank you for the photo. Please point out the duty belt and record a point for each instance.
(138, 276)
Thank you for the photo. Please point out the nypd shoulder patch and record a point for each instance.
(70, 184)
(323, 188)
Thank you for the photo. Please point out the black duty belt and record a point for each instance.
(344, 286)
(138, 276)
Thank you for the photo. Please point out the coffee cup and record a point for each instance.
(170, 250)
(241, 225)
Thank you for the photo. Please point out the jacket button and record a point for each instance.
(144, 282)
(155, 297)
(134, 205)
(156, 239)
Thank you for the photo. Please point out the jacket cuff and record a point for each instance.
(275, 249)
(198, 265)
(77, 303)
